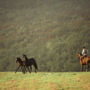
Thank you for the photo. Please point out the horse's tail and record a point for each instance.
(35, 64)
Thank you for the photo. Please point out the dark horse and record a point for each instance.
(30, 62)
(84, 61)
(22, 65)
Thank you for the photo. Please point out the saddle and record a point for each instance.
(83, 57)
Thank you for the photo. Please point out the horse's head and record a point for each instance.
(24, 55)
(79, 55)
(16, 59)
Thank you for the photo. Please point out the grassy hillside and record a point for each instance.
(45, 81)
(51, 31)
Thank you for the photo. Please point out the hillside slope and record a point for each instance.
(51, 31)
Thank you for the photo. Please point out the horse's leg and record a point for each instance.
(28, 69)
(35, 69)
(23, 70)
(81, 67)
(31, 68)
(87, 67)
(17, 69)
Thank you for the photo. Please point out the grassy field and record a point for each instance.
(51, 31)
(45, 81)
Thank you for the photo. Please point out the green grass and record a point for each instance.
(45, 81)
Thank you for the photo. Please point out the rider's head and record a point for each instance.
(84, 47)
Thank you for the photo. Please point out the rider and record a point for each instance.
(84, 53)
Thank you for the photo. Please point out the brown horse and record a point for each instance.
(30, 62)
(22, 65)
(84, 61)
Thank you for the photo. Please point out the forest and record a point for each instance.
(51, 31)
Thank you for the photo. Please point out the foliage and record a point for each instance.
(51, 31)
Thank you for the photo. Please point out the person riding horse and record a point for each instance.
(84, 53)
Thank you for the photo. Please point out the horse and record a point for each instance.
(84, 61)
(22, 65)
(30, 62)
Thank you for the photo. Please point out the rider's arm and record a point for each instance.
(82, 51)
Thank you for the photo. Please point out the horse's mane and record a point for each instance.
(19, 59)
(25, 57)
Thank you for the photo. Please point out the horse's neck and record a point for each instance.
(80, 56)
(26, 58)
(20, 60)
